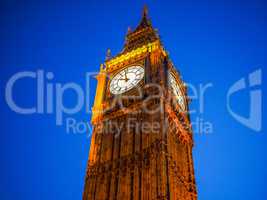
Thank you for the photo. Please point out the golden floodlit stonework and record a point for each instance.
(141, 147)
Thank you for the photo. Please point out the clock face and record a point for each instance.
(126, 79)
(176, 90)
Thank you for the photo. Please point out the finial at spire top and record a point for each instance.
(145, 11)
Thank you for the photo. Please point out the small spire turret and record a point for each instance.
(108, 54)
(129, 30)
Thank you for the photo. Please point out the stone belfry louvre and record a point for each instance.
(141, 147)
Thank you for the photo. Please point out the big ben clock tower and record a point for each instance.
(141, 146)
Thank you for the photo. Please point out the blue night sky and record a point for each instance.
(216, 42)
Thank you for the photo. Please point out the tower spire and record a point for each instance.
(145, 22)
(142, 34)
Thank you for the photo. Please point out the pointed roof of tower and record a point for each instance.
(145, 22)
(143, 34)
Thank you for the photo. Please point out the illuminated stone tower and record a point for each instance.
(141, 146)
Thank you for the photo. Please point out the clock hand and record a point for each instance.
(126, 79)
